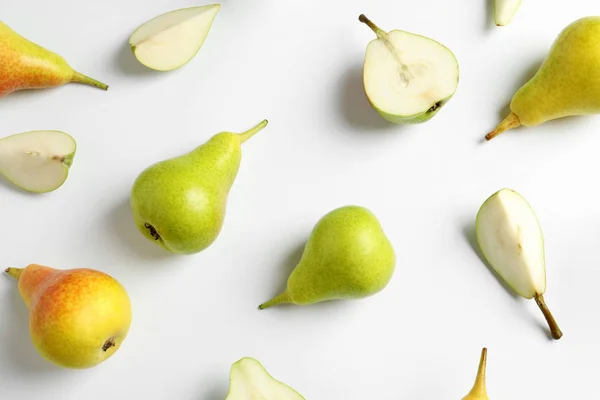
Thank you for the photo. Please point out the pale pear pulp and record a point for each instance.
(172, 39)
(511, 240)
(407, 77)
(249, 380)
(37, 161)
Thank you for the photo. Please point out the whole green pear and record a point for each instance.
(347, 256)
(566, 84)
(180, 203)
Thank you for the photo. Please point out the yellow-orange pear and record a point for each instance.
(78, 318)
(26, 65)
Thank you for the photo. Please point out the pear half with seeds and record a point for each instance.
(249, 380)
(407, 77)
(171, 40)
(504, 11)
(510, 238)
(479, 390)
(37, 161)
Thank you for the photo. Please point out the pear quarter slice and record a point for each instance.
(171, 40)
(510, 238)
(504, 11)
(37, 161)
(249, 380)
(408, 78)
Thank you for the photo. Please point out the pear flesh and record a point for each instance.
(172, 39)
(180, 203)
(249, 380)
(37, 161)
(510, 238)
(408, 78)
(479, 390)
(566, 84)
(347, 256)
(505, 10)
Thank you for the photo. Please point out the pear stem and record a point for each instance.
(378, 31)
(251, 132)
(282, 298)
(86, 80)
(14, 272)
(479, 386)
(554, 329)
(510, 122)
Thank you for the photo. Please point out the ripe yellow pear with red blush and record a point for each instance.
(26, 65)
(78, 318)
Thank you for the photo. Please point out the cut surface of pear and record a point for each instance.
(37, 161)
(249, 380)
(479, 391)
(511, 240)
(171, 40)
(407, 77)
(504, 11)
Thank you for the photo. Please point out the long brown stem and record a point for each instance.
(510, 122)
(556, 332)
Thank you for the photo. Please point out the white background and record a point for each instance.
(298, 63)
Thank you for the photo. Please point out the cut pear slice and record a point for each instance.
(504, 11)
(249, 380)
(37, 161)
(510, 238)
(408, 78)
(171, 40)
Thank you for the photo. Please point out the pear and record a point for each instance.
(510, 238)
(78, 318)
(566, 84)
(504, 11)
(479, 391)
(26, 65)
(407, 77)
(180, 203)
(171, 40)
(347, 256)
(249, 380)
(37, 161)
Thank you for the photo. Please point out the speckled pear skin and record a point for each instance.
(78, 318)
(347, 256)
(180, 203)
(568, 81)
(26, 65)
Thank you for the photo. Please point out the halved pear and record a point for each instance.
(479, 391)
(171, 40)
(249, 380)
(408, 78)
(37, 161)
(511, 240)
(504, 11)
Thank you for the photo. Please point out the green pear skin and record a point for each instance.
(180, 203)
(566, 84)
(26, 65)
(347, 256)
